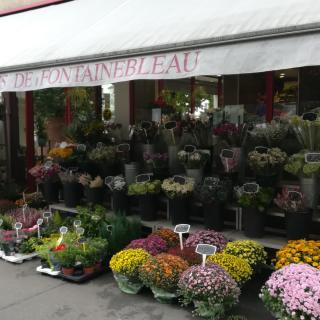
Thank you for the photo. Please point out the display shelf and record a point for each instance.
(19, 258)
(269, 241)
(48, 271)
(62, 207)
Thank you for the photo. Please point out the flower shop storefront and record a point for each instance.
(204, 173)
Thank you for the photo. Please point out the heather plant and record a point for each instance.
(153, 244)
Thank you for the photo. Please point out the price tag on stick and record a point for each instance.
(47, 215)
(124, 147)
(18, 226)
(261, 149)
(81, 147)
(76, 223)
(251, 187)
(311, 116)
(63, 230)
(1, 222)
(205, 250)
(312, 157)
(39, 223)
(79, 231)
(179, 179)
(145, 177)
(189, 148)
(181, 229)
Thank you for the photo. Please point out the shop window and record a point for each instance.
(286, 93)
(309, 89)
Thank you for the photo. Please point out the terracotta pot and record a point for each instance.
(55, 129)
(68, 271)
(88, 270)
(97, 266)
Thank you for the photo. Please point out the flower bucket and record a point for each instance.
(163, 296)
(95, 195)
(127, 285)
(51, 191)
(298, 225)
(254, 222)
(173, 159)
(178, 210)
(267, 181)
(72, 194)
(213, 214)
(131, 171)
(196, 174)
(147, 205)
(120, 202)
(310, 187)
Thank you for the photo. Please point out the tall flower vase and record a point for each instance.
(254, 222)
(267, 181)
(298, 224)
(178, 210)
(147, 206)
(173, 159)
(131, 171)
(72, 194)
(196, 174)
(149, 148)
(310, 187)
(95, 195)
(51, 191)
(213, 214)
(120, 202)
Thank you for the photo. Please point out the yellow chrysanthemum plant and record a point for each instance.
(299, 251)
(238, 268)
(249, 250)
(125, 267)
(61, 153)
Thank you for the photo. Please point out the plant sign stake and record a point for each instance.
(18, 226)
(205, 250)
(39, 223)
(76, 224)
(47, 215)
(63, 230)
(181, 229)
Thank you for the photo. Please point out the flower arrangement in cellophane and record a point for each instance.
(61, 153)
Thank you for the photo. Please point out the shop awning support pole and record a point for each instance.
(193, 97)
(67, 110)
(131, 102)
(219, 92)
(98, 101)
(29, 139)
(160, 87)
(269, 95)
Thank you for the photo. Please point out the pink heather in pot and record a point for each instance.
(31, 216)
(207, 237)
(153, 244)
(293, 293)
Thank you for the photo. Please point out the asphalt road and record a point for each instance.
(27, 295)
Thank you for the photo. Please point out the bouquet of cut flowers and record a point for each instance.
(104, 154)
(299, 167)
(174, 189)
(210, 288)
(293, 293)
(249, 250)
(288, 203)
(44, 173)
(268, 163)
(152, 244)
(299, 251)
(195, 160)
(207, 237)
(61, 153)
(156, 160)
(87, 181)
(233, 134)
(143, 188)
(118, 184)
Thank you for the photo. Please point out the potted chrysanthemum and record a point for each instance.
(161, 274)
(210, 288)
(125, 267)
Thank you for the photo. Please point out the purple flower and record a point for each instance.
(207, 237)
(294, 289)
(153, 244)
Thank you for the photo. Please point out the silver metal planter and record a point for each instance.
(310, 187)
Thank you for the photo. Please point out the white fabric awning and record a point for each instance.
(93, 42)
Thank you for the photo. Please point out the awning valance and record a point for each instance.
(85, 43)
